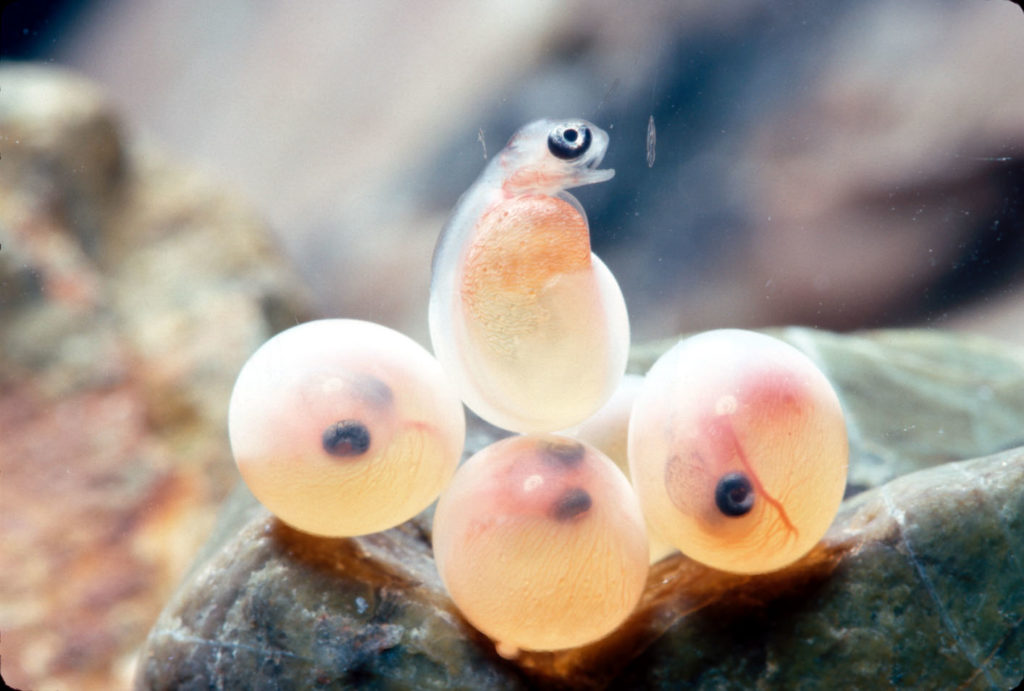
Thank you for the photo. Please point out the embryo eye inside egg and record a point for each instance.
(343, 427)
(541, 543)
(738, 450)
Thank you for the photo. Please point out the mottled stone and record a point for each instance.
(919, 582)
(282, 609)
(62, 151)
(131, 291)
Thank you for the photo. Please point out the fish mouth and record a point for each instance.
(589, 176)
(589, 173)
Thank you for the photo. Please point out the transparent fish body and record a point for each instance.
(525, 319)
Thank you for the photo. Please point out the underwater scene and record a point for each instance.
(536, 345)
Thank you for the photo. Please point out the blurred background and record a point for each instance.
(844, 165)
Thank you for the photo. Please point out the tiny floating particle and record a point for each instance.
(652, 137)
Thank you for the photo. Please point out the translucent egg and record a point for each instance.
(738, 450)
(528, 322)
(343, 427)
(607, 430)
(541, 543)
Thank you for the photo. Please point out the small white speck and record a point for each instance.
(332, 384)
(483, 142)
(361, 605)
(533, 482)
(726, 405)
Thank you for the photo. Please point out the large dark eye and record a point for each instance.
(734, 495)
(346, 438)
(569, 141)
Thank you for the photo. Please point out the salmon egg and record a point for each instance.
(607, 430)
(342, 427)
(541, 543)
(738, 450)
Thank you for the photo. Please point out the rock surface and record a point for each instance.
(131, 291)
(919, 583)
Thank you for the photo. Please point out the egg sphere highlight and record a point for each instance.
(738, 450)
(541, 543)
(343, 427)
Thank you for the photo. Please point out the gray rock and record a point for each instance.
(918, 583)
(63, 149)
(131, 292)
(276, 608)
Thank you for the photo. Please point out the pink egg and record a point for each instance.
(343, 427)
(738, 450)
(541, 543)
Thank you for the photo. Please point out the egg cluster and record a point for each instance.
(734, 441)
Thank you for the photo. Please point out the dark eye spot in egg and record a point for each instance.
(346, 438)
(569, 141)
(734, 495)
(564, 452)
(571, 504)
(373, 391)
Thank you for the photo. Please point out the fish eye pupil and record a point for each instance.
(572, 503)
(734, 495)
(569, 141)
(346, 438)
(564, 452)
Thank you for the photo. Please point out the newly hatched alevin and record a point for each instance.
(530, 324)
